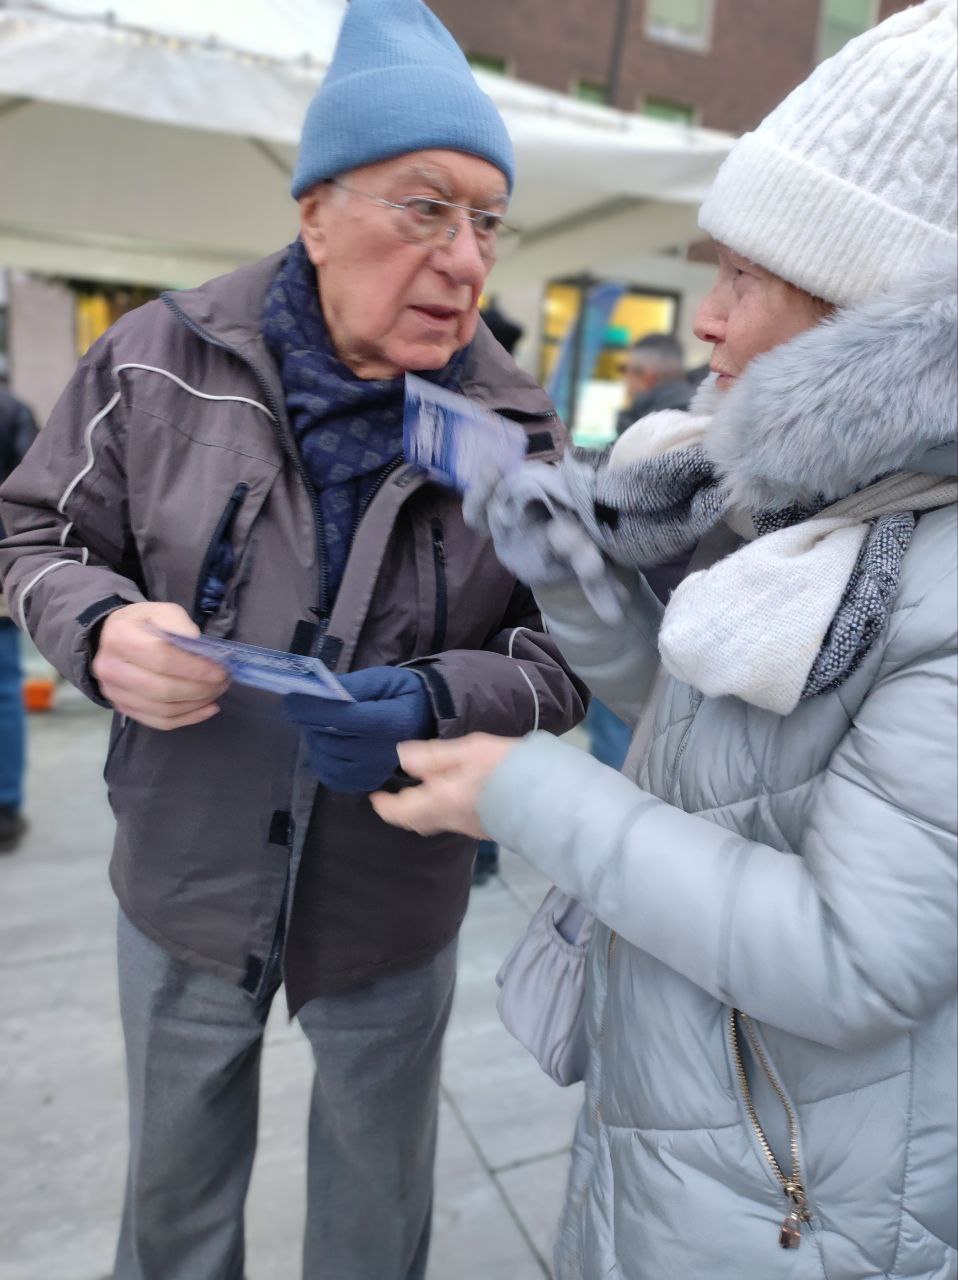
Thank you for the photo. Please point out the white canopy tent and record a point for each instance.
(153, 143)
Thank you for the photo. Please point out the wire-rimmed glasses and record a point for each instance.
(429, 220)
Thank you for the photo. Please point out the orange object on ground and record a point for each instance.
(39, 693)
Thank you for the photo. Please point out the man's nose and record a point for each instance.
(460, 258)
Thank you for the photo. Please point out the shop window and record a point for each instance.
(662, 109)
(842, 20)
(99, 306)
(591, 91)
(687, 23)
(588, 327)
(488, 62)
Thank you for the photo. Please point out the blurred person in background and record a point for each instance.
(506, 331)
(17, 432)
(770, 999)
(654, 379)
(229, 459)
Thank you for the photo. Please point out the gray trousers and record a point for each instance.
(193, 1047)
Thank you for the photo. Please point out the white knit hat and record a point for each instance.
(854, 177)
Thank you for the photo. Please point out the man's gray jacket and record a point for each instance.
(171, 435)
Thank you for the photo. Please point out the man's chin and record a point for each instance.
(425, 357)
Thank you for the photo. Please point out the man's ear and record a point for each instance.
(313, 221)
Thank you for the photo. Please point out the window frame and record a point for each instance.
(821, 56)
(675, 37)
(481, 62)
(690, 121)
(591, 86)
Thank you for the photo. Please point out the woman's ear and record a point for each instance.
(313, 220)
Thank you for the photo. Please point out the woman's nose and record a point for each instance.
(709, 323)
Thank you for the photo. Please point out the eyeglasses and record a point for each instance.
(426, 220)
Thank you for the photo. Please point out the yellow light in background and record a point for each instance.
(94, 315)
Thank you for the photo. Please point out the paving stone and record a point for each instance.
(536, 1191)
(475, 1233)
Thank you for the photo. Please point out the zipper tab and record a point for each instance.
(790, 1236)
(790, 1233)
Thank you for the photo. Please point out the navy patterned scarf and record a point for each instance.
(348, 429)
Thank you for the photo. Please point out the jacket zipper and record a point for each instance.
(285, 444)
(613, 936)
(442, 595)
(223, 525)
(371, 496)
(694, 703)
(790, 1233)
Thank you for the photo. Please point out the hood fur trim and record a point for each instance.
(866, 392)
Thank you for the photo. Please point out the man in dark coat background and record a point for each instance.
(17, 432)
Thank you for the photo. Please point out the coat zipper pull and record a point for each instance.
(790, 1236)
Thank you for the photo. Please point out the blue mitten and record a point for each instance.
(352, 745)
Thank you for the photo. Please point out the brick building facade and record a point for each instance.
(747, 55)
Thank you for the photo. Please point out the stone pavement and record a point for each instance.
(505, 1128)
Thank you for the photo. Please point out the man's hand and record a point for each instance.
(352, 745)
(150, 680)
(454, 775)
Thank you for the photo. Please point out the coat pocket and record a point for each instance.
(219, 561)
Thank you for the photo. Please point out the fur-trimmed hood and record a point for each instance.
(871, 390)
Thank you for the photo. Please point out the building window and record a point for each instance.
(662, 109)
(98, 306)
(591, 91)
(588, 327)
(842, 20)
(686, 23)
(487, 62)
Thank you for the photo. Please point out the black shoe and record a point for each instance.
(486, 864)
(12, 826)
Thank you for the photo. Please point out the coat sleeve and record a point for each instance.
(68, 558)
(848, 940)
(516, 683)
(617, 663)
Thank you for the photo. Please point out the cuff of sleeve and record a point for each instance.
(440, 695)
(89, 622)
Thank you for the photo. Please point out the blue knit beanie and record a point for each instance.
(398, 82)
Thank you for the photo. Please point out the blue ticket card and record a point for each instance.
(271, 670)
(458, 442)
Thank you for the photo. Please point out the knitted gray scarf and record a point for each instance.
(649, 512)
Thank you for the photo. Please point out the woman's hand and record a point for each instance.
(453, 776)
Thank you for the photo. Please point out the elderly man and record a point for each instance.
(229, 459)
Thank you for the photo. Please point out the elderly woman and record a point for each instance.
(770, 990)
